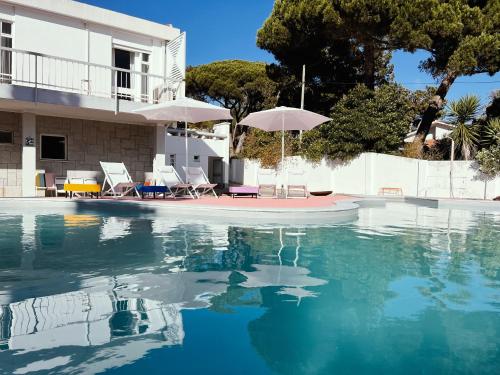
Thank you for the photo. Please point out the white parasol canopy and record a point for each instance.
(186, 110)
(284, 118)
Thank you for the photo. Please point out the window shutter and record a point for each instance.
(176, 63)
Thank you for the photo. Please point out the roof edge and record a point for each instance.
(96, 15)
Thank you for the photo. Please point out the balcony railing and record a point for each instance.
(41, 71)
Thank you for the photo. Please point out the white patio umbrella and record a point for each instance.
(284, 118)
(185, 110)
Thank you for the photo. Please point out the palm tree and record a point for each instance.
(462, 113)
(491, 134)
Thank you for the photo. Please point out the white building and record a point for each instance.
(70, 75)
(207, 150)
(439, 130)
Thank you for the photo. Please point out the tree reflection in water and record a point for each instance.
(403, 288)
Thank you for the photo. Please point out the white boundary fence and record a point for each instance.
(370, 172)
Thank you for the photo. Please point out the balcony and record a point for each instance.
(36, 77)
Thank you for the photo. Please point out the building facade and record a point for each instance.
(208, 150)
(70, 76)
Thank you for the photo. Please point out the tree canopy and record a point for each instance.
(344, 42)
(241, 86)
(337, 43)
(461, 36)
(363, 120)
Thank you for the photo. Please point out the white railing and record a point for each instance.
(41, 71)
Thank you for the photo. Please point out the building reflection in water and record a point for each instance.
(113, 228)
(119, 285)
(85, 319)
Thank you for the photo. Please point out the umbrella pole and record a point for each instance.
(282, 153)
(186, 147)
(283, 145)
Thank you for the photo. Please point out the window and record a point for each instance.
(172, 160)
(6, 137)
(53, 147)
(5, 55)
(196, 158)
(6, 28)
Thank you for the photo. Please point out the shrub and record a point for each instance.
(266, 147)
(363, 120)
(489, 160)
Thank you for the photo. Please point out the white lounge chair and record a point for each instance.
(118, 180)
(296, 184)
(168, 176)
(198, 179)
(266, 179)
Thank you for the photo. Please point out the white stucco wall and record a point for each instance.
(63, 36)
(203, 147)
(370, 172)
(72, 30)
(48, 34)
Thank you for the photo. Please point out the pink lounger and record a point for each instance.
(243, 190)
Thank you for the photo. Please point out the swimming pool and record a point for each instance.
(402, 288)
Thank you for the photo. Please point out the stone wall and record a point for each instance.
(89, 142)
(10, 156)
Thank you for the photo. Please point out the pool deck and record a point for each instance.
(247, 203)
(251, 210)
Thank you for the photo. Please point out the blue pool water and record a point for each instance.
(401, 289)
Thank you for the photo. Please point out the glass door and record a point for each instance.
(5, 55)
(123, 61)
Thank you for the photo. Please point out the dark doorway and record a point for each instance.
(216, 170)
(123, 60)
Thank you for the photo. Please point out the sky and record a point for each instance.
(227, 29)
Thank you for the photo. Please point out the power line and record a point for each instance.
(435, 83)
(420, 83)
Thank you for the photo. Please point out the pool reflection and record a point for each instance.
(108, 283)
(87, 294)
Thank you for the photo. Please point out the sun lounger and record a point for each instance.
(391, 191)
(168, 176)
(117, 180)
(201, 185)
(296, 185)
(266, 179)
(244, 191)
